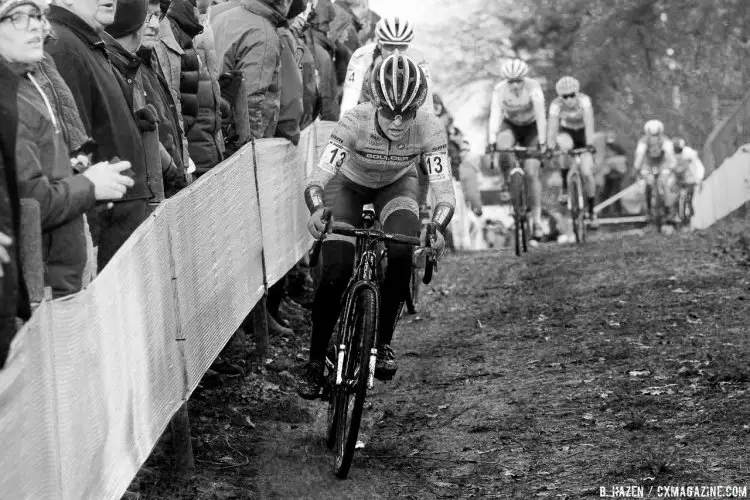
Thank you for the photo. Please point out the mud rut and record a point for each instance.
(626, 362)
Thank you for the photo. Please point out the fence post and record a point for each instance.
(30, 247)
(260, 319)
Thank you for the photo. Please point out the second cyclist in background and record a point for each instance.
(394, 35)
(654, 153)
(518, 116)
(689, 168)
(571, 114)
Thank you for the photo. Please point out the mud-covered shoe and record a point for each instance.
(385, 365)
(593, 221)
(310, 379)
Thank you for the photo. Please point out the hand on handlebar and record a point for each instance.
(318, 222)
(436, 245)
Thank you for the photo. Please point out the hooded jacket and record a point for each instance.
(205, 140)
(186, 26)
(247, 41)
(14, 299)
(45, 175)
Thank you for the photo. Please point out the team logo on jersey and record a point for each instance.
(375, 156)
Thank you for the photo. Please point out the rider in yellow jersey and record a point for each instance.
(370, 158)
(517, 116)
(571, 114)
(654, 154)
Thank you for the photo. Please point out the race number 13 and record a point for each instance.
(335, 155)
(438, 167)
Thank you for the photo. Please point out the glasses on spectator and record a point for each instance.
(21, 20)
(515, 80)
(389, 114)
(151, 15)
(568, 96)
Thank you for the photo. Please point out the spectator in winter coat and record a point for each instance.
(183, 19)
(290, 82)
(323, 50)
(14, 299)
(43, 159)
(167, 62)
(311, 101)
(79, 52)
(126, 35)
(205, 139)
(159, 95)
(247, 41)
(345, 27)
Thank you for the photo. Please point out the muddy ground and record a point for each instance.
(625, 362)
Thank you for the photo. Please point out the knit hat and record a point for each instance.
(130, 16)
(8, 5)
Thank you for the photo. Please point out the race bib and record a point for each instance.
(333, 157)
(438, 166)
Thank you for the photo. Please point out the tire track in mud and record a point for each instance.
(547, 376)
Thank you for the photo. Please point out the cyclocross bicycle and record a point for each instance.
(576, 201)
(518, 195)
(685, 203)
(350, 364)
(657, 197)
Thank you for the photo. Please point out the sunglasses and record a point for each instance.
(391, 115)
(515, 80)
(568, 96)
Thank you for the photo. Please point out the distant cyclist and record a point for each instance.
(393, 34)
(370, 159)
(654, 153)
(689, 168)
(518, 116)
(571, 114)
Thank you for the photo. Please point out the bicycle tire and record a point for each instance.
(359, 326)
(412, 298)
(516, 193)
(576, 207)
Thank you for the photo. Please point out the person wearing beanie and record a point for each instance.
(125, 36)
(81, 58)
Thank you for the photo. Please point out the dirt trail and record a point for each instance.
(626, 362)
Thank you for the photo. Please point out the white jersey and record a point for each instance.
(689, 165)
(355, 90)
(523, 109)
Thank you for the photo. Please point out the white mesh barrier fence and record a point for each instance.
(726, 189)
(93, 379)
(283, 210)
(28, 415)
(217, 245)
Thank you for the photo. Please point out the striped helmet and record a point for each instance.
(394, 29)
(398, 85)
(514, 69)
(567, 85)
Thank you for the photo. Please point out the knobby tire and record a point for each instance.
(412, 299)
(576, 208)
(519, 210)
(359, 331)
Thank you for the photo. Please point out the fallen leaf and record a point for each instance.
(443, 407)
(639, 373)
(679, 290)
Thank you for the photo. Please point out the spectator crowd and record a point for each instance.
(109, 107)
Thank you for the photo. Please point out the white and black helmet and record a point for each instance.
(398, 85)
(653, 127)
(514, 69)
(394, 29)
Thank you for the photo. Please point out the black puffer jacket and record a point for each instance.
(186, 26)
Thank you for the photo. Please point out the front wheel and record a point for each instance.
(412, 299)
(519, 211)
(577, 208)
(357, 334)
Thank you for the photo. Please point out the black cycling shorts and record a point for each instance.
(346, 198)
(526, 136)
(578, 136)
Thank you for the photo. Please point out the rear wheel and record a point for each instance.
(519, 210)
(348, 399)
